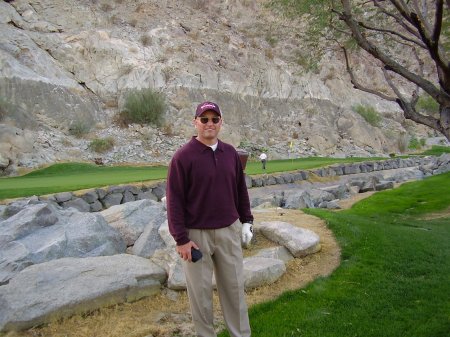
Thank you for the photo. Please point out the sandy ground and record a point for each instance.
(167, 314)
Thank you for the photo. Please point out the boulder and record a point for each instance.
(44, 232)
(90, 196)
(77, 203)
(132, 218)
(159, 191)
(150, 240)
(384, 185)
(169, 260)
(112, 199)
(318, 196)
(278, 253)
(298, 199)
(18, 205)
(63, 196)
(67, 286)
(341, 191)
(2, 212)
(299, 241)
(260, 271)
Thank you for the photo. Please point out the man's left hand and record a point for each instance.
(247, 234)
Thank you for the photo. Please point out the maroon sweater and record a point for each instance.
(205, 189)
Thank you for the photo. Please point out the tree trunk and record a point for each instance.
(445, 121)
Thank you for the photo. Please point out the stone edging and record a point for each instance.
(98, 199)
(346, 169)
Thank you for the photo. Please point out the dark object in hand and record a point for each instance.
(196, 254)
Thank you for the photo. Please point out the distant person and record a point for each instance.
(208, 209)
(263, 158)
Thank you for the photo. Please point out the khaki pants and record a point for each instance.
(222, 253)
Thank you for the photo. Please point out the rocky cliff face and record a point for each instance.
(66, 63)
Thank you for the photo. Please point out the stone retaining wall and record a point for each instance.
(430, 165)
(99, 199)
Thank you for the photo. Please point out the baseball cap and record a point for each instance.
(205, 106)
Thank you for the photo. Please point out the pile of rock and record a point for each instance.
(50, 258)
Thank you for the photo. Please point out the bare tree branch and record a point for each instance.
(433, 44)
(419, 62)
(389, 31)
(392, 86)
(358, 85)
(422, 14)
(404, 43)
(397, 18)
(394, 34)
(389, 63)
(408, 107)
(438, 21)
(402, 8)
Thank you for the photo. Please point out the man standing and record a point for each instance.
(263, 158)
(207, 200)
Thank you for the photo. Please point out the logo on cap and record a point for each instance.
(205, 106)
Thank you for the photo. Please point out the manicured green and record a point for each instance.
(394, 277)
(78, 176)
(272, 166)
(436, 150)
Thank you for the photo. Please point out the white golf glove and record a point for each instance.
(247, 233)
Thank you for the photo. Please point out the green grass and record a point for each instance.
(426, 104)
(273, 166)
(415, 143)
(78, 176)
(436, 150)
(394, 278)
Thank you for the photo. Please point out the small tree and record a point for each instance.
(408, 40)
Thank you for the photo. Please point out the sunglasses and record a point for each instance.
(205, 120)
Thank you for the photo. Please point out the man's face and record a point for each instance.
(208, 131)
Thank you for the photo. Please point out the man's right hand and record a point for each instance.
(185, 250)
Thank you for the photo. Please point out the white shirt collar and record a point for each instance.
(214, 147)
